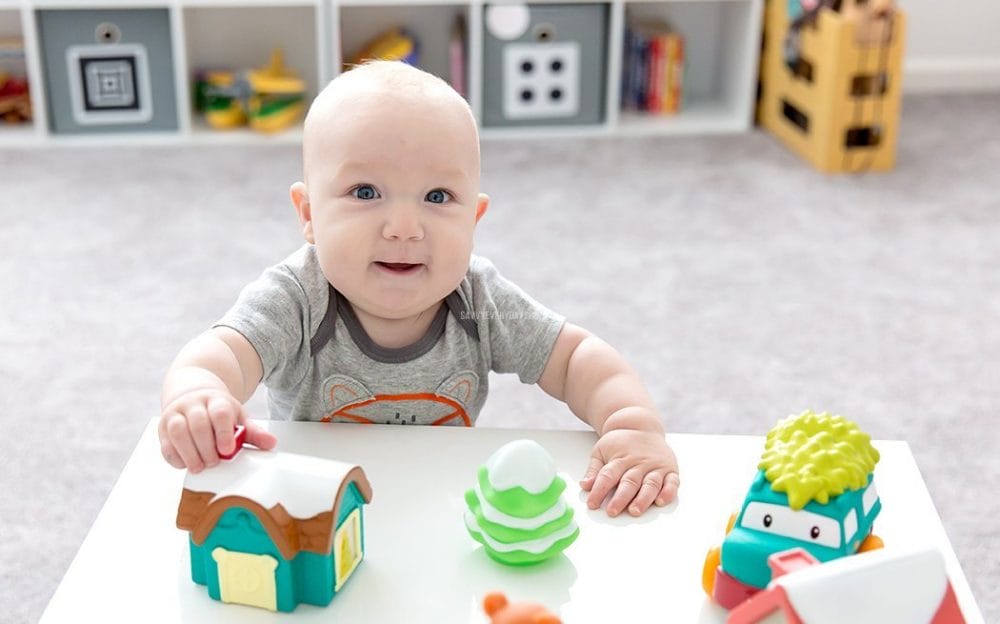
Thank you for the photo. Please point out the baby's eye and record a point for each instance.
(438, 196)
(365, 192)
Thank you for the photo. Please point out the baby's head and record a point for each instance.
(390, 195)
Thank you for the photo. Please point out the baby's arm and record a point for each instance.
(202, 400)
(603, 391)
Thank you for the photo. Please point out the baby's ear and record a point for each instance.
(482, 203)
(300, 199)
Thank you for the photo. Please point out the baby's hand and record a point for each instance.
(199, 425)
(640, 463)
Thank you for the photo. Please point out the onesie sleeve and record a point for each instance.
(517, 331)
(272, 312)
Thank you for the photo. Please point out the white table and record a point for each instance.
(422, 566)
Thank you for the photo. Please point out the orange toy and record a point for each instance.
(502, 612)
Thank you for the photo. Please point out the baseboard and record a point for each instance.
(924, 75)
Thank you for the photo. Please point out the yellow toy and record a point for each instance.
(394, 44)
(270, 99)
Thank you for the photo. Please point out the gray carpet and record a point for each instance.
(740, 283)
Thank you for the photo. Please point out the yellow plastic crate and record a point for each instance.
(844, 117)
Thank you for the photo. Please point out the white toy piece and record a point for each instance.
(883, 586)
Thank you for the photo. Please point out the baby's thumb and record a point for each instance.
(261, 438)
(258, 436)
(596, 463)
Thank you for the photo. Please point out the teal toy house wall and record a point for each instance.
(307, 578)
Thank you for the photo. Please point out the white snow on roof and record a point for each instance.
(305, 486)
(883, 586)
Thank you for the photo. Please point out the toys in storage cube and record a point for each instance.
(839, 107)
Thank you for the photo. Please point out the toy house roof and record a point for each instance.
(295, 497)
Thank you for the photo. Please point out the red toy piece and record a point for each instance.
(241, 435)
(503, 612)
(729, 591)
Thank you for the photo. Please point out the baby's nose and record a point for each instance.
(403, 223)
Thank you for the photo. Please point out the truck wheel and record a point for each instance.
(872, 542)
(712, 561)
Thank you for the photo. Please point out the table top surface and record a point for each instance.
(420, 563)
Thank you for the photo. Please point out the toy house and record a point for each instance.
(273, 530)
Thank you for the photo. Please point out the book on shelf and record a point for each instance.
(653, 71)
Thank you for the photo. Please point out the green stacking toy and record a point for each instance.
(516, 510)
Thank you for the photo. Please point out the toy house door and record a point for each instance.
(347, 548)
(247, 579)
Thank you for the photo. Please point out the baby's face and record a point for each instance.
(393, 189)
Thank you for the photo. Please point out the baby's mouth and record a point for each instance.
(399, 268)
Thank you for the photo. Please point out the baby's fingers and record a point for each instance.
(170, 453)
(669, 490)
(179, 437)
(256, 435)
(627, 488)
(203, 434)
(222, 415)
(652, 485)
(606, 480)
(166, 446)
(587, 482)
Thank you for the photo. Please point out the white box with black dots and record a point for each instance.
(544, 64)
(542, 80)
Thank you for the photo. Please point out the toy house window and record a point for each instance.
(347, 548)
(850, 526)
(869, 498)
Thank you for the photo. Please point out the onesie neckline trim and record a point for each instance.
(339, 305)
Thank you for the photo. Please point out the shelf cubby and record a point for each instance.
(239, 37)
(721, 40)
(11, 29)
(430, 25)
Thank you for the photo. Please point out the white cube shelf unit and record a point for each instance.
(722, 47)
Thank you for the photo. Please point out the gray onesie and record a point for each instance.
(319, 364)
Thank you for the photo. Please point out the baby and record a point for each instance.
(384, 316)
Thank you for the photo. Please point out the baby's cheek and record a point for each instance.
(455, 265)
(339, 264)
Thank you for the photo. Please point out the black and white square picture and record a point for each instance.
(109, 84)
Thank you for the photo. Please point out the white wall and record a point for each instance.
(952, 45)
